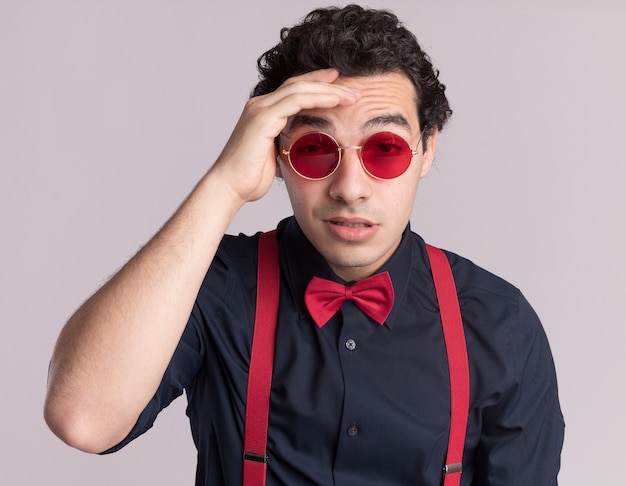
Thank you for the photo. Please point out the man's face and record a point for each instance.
(354, 220)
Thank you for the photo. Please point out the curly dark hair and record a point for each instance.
(356, 42)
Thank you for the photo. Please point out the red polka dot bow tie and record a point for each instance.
(373, 295)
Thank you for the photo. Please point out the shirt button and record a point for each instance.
(350, 344)
(353, 430)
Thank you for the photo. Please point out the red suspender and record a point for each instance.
(456, 349)
(261, 362)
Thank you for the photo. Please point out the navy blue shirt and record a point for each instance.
(355, 402)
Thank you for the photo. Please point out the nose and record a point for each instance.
(350, 183)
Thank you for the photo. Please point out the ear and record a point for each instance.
(428, 156)
(278, 159)
(279, 173)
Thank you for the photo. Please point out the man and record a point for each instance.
(347, 112)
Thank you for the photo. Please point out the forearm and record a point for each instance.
(111, 355)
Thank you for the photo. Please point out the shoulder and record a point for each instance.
(505, 337)
(476, 280)
(468, 276)
(488, 302)
(497, 317)
(237, 248)
(232, 273)
(241, 250)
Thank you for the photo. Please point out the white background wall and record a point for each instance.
(111, 110)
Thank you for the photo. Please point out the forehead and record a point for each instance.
(386, 100)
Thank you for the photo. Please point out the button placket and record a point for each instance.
(356, 332)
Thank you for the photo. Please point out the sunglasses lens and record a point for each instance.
(314, 155)
(386, 155)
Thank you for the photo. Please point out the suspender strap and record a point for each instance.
(456, 349)
(261, 362)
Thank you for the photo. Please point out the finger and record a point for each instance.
(271, 117)
(293, 103)
(304, 86)
(300, 94)
(271, 111)
(321, 75)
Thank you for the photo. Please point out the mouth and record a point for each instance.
(351, 230)
(349, 224)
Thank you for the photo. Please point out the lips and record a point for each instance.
(349, 221)
(351, 230)
(349, 224)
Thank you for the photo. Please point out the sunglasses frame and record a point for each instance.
(341, 148)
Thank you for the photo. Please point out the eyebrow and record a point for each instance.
(322, 123)
(384, 120)
(308, 121)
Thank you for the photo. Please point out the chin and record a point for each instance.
(352, 265)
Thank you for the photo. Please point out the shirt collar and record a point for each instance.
(300, 262)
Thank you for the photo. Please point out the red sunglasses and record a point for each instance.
(316, 155)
